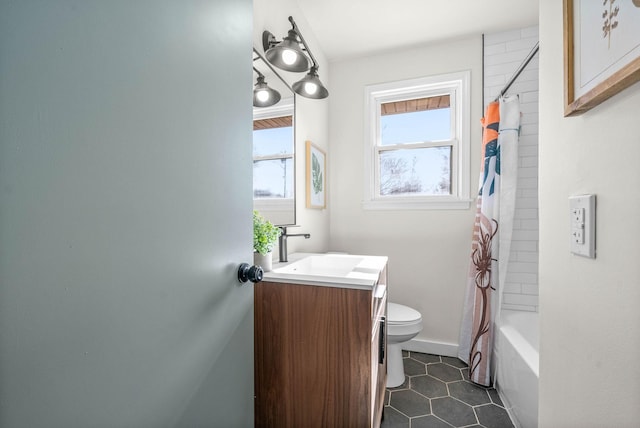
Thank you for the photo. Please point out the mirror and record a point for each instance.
(274, 150)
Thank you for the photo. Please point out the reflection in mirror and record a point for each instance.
(274, 151)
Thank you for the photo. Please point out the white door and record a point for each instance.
(126, 195)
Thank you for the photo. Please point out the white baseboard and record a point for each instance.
(431, 347)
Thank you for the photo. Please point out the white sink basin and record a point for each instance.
(325, 269)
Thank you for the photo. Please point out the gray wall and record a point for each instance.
(120, 230)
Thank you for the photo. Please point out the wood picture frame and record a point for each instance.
(591, 27)
(316, 176)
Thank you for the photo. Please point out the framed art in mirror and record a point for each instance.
(316, 166)
(601, 51)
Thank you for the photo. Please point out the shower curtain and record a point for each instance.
(494, 212)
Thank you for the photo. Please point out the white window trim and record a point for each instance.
(273, 204)
(285, 107)
(375, 95)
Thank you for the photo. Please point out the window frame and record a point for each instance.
(457, 86)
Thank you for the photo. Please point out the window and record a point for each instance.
(273, 160)
(417, 144)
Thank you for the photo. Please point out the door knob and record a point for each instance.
(247, 272)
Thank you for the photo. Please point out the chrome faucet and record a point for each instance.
(282, 242)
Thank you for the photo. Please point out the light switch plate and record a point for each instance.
(582, 217)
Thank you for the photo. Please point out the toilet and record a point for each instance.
(403, 324)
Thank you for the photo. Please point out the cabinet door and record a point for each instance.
(312, 356)
(379, 362)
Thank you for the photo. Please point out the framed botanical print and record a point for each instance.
(601, 51)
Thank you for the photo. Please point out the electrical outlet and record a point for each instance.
(582, 212)
(578, 236)
(578, 216)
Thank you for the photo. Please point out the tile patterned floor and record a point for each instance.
(436, 393)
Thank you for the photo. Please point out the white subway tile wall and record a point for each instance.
(503, 54)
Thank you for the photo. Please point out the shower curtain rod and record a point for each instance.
(526, 62)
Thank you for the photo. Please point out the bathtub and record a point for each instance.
(517, 362)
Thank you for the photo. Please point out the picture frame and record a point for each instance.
(601, 51)
(316, 176)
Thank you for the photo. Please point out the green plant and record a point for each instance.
(265, 234)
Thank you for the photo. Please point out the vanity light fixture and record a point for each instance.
(287, 54)
(310, 86)
(263, 95)
(290, 56)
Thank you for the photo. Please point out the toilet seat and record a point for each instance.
(398, 314)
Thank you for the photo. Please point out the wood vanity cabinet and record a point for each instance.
(320, 355)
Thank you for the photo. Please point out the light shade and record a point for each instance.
(310, 86)
(287, 55)
(263, 95)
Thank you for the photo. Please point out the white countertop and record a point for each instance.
(329, 270)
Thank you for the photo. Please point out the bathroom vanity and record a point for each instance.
(320, 342)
